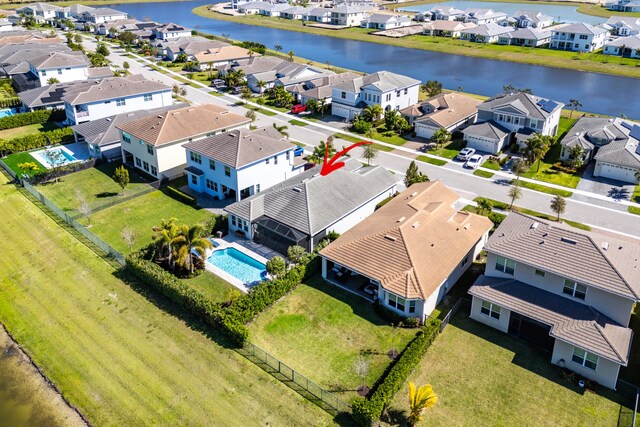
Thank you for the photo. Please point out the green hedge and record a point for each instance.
(36, 140)
(368, 411)
(31, 118)
(180, 196)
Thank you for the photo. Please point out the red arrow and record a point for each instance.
(330, 165)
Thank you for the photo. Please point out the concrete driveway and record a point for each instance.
(617, 190)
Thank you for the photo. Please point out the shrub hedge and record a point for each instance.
(180, 196)
(31, 118)
(368, 411)
(36, 140)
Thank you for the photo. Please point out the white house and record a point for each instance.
(240, 163)
(412, 251)
(624, 25)
(528, 19)
(97, 99)
(320, 15)
(170, 31)
(578, 37)
(154, 144)
(212, 58)
(485, 33)
(295, 12)
(570, 291)
(439, 13)
(384, 21)
(102, 14)
(627, 47)
(451, 29)
(40, 12)
(624, 5)
(303, 209)
(62, 66)
(389, 90)
(531, 37)
(483, 16)
(450, 111)
(319, 89)
(349, 16)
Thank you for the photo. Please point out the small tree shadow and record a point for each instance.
(395, 417)
(106, 194)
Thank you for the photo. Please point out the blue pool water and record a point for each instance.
(6, 112)
(239, 265)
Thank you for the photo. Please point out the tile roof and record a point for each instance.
(490, 129)
(441, 25)
(529, 34)
(631, 42)
(413, 243)
(489, 30)
(532, 16)
(628, 21)
(182, 124)
(580, 28)
(113, 87)
(590, 131)
(449, 109)
(381, 80)
(596, 260)
(523, 103)
(575, 323)
(625, 153)
(47, 96)
(42, 7)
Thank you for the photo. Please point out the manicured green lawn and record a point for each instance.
(391, 137)
(492, 164)
(383, 147)
(14, 160)
(483, 174)
(212, 287)
(298, 122)
(635, 197)
(348, 138)
(111, 351)
(544, 188)
(631, 373)
(319, 330)
(485, 377)
(431, 160)
(450, 150)
(634, 210)
(27, 130)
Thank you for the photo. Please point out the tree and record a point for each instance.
(361, 125)
(277, 48)
(121, 177)
(324, 148)
(558, 205)
(290, 54)
(441, 137)
(322, 105)
(191, 241)
(183, 91)
(361, 369)
(129, 236)
(513, 89)
(515, 193)
(276, 266)
(164, 237)
(519, 167)
(52, 81)
(413, 175)
(85, 210)
(576, 157)
(97, 60)
(369, 152)
(77, 38)
(181, 58)
(282, 129)
(573, 105)
(261, 85)
(280, 97)
(432, 88)
(312, 105)
(127, 37)
(251, 115)
(28, 167)
(390, 119)
(102, 50)
(372, 113)
(246, 93)
(536, 147)
(56, 159)
(420, 401)
(296, 253)
(125, 65)
(484, 205)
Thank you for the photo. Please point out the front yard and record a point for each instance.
(319, 330)
(485, 377)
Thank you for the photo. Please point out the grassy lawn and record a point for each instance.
(635, 197)
(212, 286)
(485, 377)
(391, 137)
(450, 150)
(492, 164)
(14, 160)
(631, 373)
(348, 138)
(544, 189)
(27, 130)
(431, 160)
(634, 210)
(110, 350)
(298, 122)
(381, 147)
(483, 174)
(319, 330)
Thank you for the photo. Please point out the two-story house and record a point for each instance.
(155, 144)
(528, 19)
(483, 16)
(389, 90)
(569, 291)
(578, 37)
(411, 252)
(40, 12)
(485, 33)
(512, 117)
(624, 5)
(451, 111)
(240, 163)
(97, 99)
(320, 15)
(349, 16)
(61, 66)
(440, 13)
(170, 31)
(385, 21)
(102, 15)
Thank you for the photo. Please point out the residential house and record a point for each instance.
(623, 5)
(62, 66)
(319, 89)
(212, 58)
(170, 31)
(321, 15)
(264, 8)
(578, 37)
(384, 21)
(447, 28)
(155, 143)
(101, 15)
(530, 37)
(620, 160)
(389, 90)
(190, 46)
(567, 290)
(349, 16)
(485, 33)
(412, 250)
(240, 163)
(102, 136)
(528, 19)
(97, 99)
(515, 116)
(295, 12)
(41, 12)
(15, 57)
(50, 97)
(236, 4)
(627, 47)
(483, 16)
(624, 25)
(26, 36)
(286, 74)
(440, 13)
(250, 8)
(253, 65)
(302, 210)
(451, 111)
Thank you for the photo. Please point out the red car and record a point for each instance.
(299, 108)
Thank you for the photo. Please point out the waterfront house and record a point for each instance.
(304, 209)
(389, 90)
(410, 252)
(446, 28)
(190, 46)
(295, 12)
(567, 290)
(624, 5)
(139, 28)
(384, 21)
(321, 15)
(485, 33)
(578, 37)
(212, 58)
(240, 163)
(170, 31)
(627, 47)
(451, 111)
(42, 13)
(530, 37)
(286, 74)
(349, 16)
(528, 19)
(114, 95)
(624, 25)
(319, 89)
(440, 13)
(483, 16)
(155, 143)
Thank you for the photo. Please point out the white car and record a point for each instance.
(473, 162)
(465, 153)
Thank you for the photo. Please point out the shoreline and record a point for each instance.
(15, 5)
(545, 57)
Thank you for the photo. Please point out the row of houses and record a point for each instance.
(47, 13)
(521, 19)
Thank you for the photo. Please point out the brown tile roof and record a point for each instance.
(111, 88)
(449, 108)
(413, 243)
(224, 53)
(601, 261)
(184, 123)
(575, 323)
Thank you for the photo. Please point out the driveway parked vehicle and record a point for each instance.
(473, 162)
(298, 108)
(465, 154)
(218, 83)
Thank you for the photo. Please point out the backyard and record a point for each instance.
(319, 330)
(485, 377)
(212, 287)
(27, 130)
(111, 351)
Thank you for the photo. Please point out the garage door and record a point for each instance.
(424, 131)
(480, 145)
(620, 173)
(342, 111)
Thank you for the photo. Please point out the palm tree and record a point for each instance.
(573, 105)
(191, 240)
(369, 153)
(164, 236)
(515, 193)
(282, 129)
(291, 53)
(536, 147)
(261, 85)
(420, 400)
(372, 113)
(317, 155)
(558, 205)
(576, 157)
(321, 105)
(485, 205)
(441, 137)
(277, 48)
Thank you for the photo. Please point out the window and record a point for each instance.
(267, 161)
(584, 358)
(533, 124)
(406, 91)
(194, 180)
(145, 166)
(257, 188)
(227, 171)
(59, 71)
(275, 160)
(233, 220)
(195, 157)
(539, 273)
(120, 102)
(211, 185)
(505, 265)
(490, 309)
(212, 164)
(464, 261)
(412, 306)
(150, 149)
(225, 189)
(288, 153)
(396, 302)
(44, 73)
(138, 162)
(574, 289)
(398, 94)
(154, 171)
(245, 225)
(584, 37)
(148, 97)
(126, 137)
(343, 95)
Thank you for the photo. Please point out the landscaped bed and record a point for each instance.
(319, 330)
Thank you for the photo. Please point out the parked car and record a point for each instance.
(473, 162)
(299, 151)
(218, 83)
(237, 90)
(298, 108)
(465, 154)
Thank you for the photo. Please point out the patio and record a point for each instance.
(351, 281)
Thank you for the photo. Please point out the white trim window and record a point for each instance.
(120, 102)
(574, 289)
(490, 309)
(412, 306)
(505, 265)
(584, 358)
(396, 302)
(126, 137)
(195, 157)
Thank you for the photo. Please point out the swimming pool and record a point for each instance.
(239, 265)
(6, 112)
(59, 156)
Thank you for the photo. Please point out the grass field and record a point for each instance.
(27, 130)
(212, 287)
(543, 188)
(483, 174)
(431, 160)
(319, 330)
(112, 352)
(450, 150)
(492, 164)
(485, 377)
(14, 160)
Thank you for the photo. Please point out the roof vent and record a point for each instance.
(415, 224)
(605, 246)
(534, 225)
(108, 119)
(568, 240)
(400, 219)
(467, 226)
(414, 194)
(389, 237)
(297, 190)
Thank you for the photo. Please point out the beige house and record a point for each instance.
(154, 144)
(447, 28)
(217, 57)
(451, 111)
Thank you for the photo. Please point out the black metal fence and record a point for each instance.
(628, 413)
(450, 314)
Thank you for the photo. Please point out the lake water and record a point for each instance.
(598, 93)
(559, 13)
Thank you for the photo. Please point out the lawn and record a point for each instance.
(636, 194)
(110, 350)
(27, 130)
(450, 150)
(483, 174)
(492, 164)
(14, 160)
(631, 373)
(295, 122)
(391, 137)
(348, 138)
(320, 330)
(543, 188)
(485, 377)
(212, 287)
(431, 160)
(634, 210)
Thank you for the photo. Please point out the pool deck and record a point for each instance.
(230, 243)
